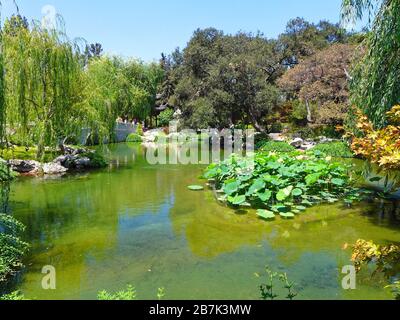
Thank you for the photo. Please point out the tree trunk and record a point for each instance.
(254, 121)
(309, 113)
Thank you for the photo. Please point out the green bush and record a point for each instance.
(165, 118)
(139, 129)
(12, 296)
(134, 138)
(260, 140)
(5, 173)
(305, 133)
(277, 146)
(336, 149)
(276, 127)
(12, 248)
(97, 160)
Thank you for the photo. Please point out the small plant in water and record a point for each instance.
(267, 290)
(128, 294)
(161, 293)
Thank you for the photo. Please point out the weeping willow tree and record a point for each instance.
(121, 88)
(376, 78)
(44, 82)
(12, 248)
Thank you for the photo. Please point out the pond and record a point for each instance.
(135, 223)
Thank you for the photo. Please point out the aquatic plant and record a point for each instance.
(128, 294)
(283, 184)
(267, 290)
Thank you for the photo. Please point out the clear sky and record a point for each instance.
(145, 28)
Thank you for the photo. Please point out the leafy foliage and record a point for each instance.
(44, 84)
(380, 146)
(12, 248)
(375, 86)
(14, 296)
(118, 88)
(165, 117)
(284, 184)
(337, 149)
(321, 80)
(385, 258)
(222, 80)
(134, 138)
(97, 160)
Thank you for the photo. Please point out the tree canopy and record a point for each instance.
(376, 82)
(221, 80)
(322, 81)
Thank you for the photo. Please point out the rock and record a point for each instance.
(53, 168)
(297, 143)
(324, 139)
(25, 166)
(307, 146)
(82, 163)
(66, 161)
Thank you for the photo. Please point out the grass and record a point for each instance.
(337, 149)
(23, 153)
(277, 146)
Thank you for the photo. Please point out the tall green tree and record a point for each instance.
(43, 85)
(376, 79)
(121, 88)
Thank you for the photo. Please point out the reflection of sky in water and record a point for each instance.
(140, 225)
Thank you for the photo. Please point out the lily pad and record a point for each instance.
(297, 192)
(265, 214)
(237, 200)
(196, 188)
(287, 215)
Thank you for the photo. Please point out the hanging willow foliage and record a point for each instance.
(2, 87)
(45, 85)
(376, 79)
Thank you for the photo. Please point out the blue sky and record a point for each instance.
(145, 28)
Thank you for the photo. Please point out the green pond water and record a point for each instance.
(135, 223)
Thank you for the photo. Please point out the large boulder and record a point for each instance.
(82, 163)
(25, 166)
(297, 143)
(53, 168)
